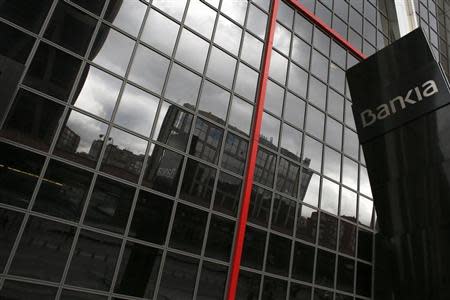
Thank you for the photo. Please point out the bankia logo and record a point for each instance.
(399, 103)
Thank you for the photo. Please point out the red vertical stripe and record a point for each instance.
(251, 165)
(254, 141)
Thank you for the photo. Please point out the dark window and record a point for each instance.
(303, 262)
(110, 205)
(345, 275)
(265, 167)
(138, 271)
(248, 286)
(259, 210)
(347, 238)
(206, 141)
(288, 177)
(328, 231)
(11, 222)
(325, 268)
(227, 194)
(364, 279)
(307, 223)
(163, 170)
(274, 289)
(188, 229)
(94, 261)
(234, 154)
(365, 244)
(19, 170)
(283, 214)
(63, 191)
(212, 282)
(15, 45)
(198, 183)
(220, 238)
(299, 291)
(278, 255)
(29, 14)
(178, 266)
(74, 295)
(151, 218)
(70, 28)
(32, 120)
(53, 72)
(43, 250)
(11, 290)
(254, 245)
(94, 6)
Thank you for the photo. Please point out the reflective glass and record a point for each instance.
(257, 21)
(285, 14)
(32, 120)
(301, 52)
(325, 268)
(303, 262)
(338, 53)
(173, 126)
(124, 155)
(248, 286)
(351, 143)
(188, 229)
(350, 173)
(312, 153)
(183, 86)
(51, 241)
(265, 167)
(252, 50)
(364, 183)
(75, 295)
(315, 122)
(278, 67)
(228, 35)
(328, 231)
(11, 289)
(192, 50)
(94, 261)
(254, 245)
(160, 32)
(332, 164)
(11, 222)
(63, 191)
(19, 171)
(319, 66)
(348, 204)
(298, 80)
(282, 39)
(11, 36)
(212, 289)
(345, 275)
(234, 154)
(138, 271)
(270, 131)
(246, 82)
(198, 183)
(335, 105)
(52, 72)
(307, 223)
(81, 139)
(228, 194)
(288, 177)
(283, 214)
(321, 41)
(178, 266)
(126, 15)
(235, 10)
(294, 110)
(200, 18)
(278, 254)
(274, 98)
(174, 8)
(303, 27)
(291, 142)
(220, 238)
(337, 78)
(149, 69)
(151, 218)
(330, 196)
(298, 291)
(97, 92)
(273, 289)
(347, 237)
(365, 213)
(163, 170)
(260, 205)
(364, 279)
(240, 116)
(206, 141)
(112, 50)
(28, 14)
(137, 110)
(214, 102)
(94, 6)
(109, 205)
(70, 28)
(317, 93)
(333, 133)
(221, 67)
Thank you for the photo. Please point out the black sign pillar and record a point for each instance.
(400, 104)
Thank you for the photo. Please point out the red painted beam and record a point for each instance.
(330, 31)
(251, 164)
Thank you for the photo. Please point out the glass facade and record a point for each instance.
(126, 127)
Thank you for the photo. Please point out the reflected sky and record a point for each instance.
(174, 8)
(330, 197)
(241, 115)
(129, 17)
(200, 18)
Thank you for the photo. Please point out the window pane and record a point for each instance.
(307, 223)
(201, 18)
(198, 183)
(228, 35)
(246, 82)
(270, 131)
(192, 50)
(188, 229)
(160, 32)
(206, 141)
(228, 194)
(240, 116)
(303, 262)
(278, 254)
(257, 21)
(214, 102)
(235, 154)
(28, 14)
(283, 214)
(252, 50)
(325, 268)
(294, 110)
(221, 67)
(260, 205)
(183, 87)
(328, 231)
(220, 238)
(126, 15)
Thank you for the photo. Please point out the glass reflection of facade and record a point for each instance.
(125, 131)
